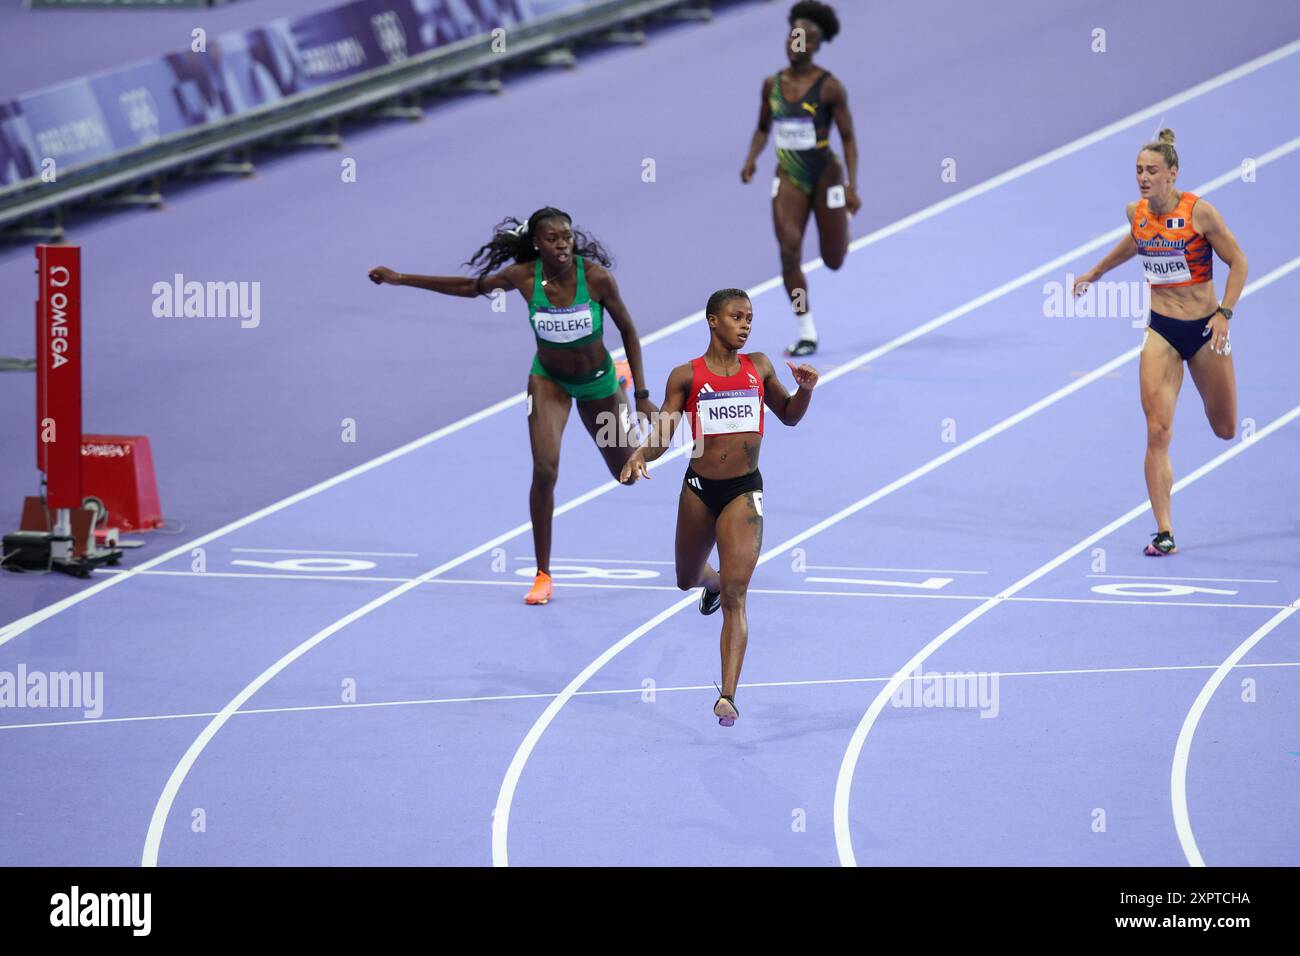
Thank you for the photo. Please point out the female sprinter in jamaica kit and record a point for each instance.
(723, 393)
(801, 101)
(563, 276)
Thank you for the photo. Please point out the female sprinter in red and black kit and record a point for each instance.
(723, 393)
(1175, 234)
(550, 263)
(801, 101)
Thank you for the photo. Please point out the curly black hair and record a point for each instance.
(512, 241)
(821, 14)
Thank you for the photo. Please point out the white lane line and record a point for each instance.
(929, 584)
(509, 784)
(844, 567)
(369, 554)
(597, 560)
(803, 592)
(1139, 601)
(1183, 749)
(1083, 142)
(505, 796)
(14, 628)
(1175, 580)
(273, 575)
(844, 780)
(495, 698)
(158, 819)
(162, 808)
(1047, 268)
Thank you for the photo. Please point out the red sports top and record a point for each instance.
(725, 404)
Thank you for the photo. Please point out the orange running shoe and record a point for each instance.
(541, 590)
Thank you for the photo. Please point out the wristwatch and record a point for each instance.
(641, 393)
(1227, 313)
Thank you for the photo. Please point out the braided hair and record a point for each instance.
(512, 241)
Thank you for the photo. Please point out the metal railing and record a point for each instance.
(392, 90)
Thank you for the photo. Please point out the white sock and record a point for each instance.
(806, 328)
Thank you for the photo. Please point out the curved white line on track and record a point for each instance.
(1183, 749)
(14, 628)
(158, 820)
(163, 807)
(509, 784)
(505, 796)
(844, 781)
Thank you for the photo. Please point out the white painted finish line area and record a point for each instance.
(797, 592)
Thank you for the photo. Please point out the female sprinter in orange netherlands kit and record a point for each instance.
(1174, 234)
(563, 276)
(723, 393)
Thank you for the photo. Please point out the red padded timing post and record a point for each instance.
(58, 375)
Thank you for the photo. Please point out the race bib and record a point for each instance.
(724, 413)
(1165, 268)
(563, 325)
(796, 132)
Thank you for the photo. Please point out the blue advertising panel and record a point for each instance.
(94, 118)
